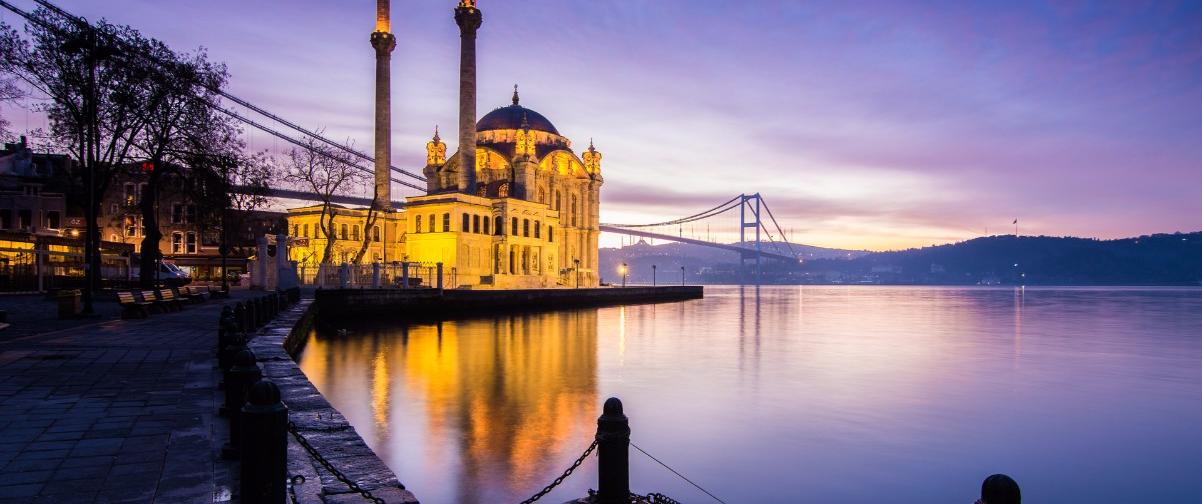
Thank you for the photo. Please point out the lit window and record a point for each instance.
(446, 222)
(343, 235)
(431, 222)
(177, 243)
(503, 190)
(417, 224)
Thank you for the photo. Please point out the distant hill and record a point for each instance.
(705, 263)
(1161, 259)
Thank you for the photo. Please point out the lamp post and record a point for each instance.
(623, 271)
(577, 261)
(653, 275)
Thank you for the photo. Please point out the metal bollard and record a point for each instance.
(238, 378)
(227, 334)
(226, 313)
(240, 316)
(613, 454)
(264, 444)
(439, 266)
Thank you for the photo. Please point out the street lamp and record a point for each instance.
(577, 261)
(623, 271)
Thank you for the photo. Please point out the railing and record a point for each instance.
(397, 275)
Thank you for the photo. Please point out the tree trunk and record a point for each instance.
(327, 258)
(367, 234)
(150, 232)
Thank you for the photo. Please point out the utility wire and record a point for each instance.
(674, 471)
(227, 95)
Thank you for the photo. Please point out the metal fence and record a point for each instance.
(398, 275)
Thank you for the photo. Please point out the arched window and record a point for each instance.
(467, 223)
(432, 223)
(526, 228)
(446, 222)
(355, 232)
(486, 222)
(343, 235)
(513, 228)
(417, 224)
(499, 226)
(537, 229)
(375, 233)
(503, 190)
(305, 231)
(475, 223)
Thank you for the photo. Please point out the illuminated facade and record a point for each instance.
(522, 214)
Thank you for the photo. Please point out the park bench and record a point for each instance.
(131, 307)
(183, 293)
(168, 296)
(204, 293)
(159, 304)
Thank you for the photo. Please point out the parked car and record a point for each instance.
(169, 275)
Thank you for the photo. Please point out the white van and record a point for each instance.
(169, 275)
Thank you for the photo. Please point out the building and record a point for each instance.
(188, 240)
(522, 214)
(31, 191)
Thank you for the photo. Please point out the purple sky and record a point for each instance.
(866, 126)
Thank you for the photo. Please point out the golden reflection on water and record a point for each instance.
(515, 393)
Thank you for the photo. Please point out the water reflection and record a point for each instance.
(795, 394)
(459, 403)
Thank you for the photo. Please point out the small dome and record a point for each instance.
(511, 118)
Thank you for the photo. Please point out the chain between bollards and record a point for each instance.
(326, 464)
(568, 472)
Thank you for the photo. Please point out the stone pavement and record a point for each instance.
(113, 411)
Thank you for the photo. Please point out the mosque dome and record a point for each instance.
(515, 117)
(511, 118)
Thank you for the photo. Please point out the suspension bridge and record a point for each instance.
(760, 234)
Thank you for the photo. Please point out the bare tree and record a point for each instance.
(326, 172)
(8, 92)
(99, 89)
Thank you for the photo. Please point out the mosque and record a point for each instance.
(513, 207)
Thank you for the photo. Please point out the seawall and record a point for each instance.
(318, 421)
(427, 303)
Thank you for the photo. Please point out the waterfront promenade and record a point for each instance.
(111, 410)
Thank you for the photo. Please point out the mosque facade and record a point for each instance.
(513, 207)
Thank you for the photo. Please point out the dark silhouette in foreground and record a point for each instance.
(999, 489)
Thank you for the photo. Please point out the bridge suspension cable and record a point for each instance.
(231, 97)
(728, 204)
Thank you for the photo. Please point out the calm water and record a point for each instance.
(795, 394)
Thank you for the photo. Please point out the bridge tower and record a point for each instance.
(744, 206)
(383, 41)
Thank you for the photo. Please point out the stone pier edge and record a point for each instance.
(318, 421)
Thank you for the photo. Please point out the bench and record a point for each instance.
(159, 304)
(131, 307)
(168, 297)
(204, 293)
(188, 294)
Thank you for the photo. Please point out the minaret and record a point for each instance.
(384, 42)
(468, 17)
